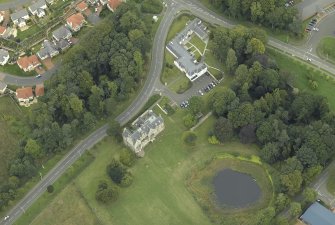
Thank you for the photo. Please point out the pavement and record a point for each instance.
(151, 86)
(320, 186)
(13, 4)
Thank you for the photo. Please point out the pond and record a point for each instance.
(235, 189)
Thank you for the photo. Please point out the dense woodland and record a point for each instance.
(270, 13)
(295, 131)
(98, 73)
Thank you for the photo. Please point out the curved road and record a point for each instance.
(151, 85)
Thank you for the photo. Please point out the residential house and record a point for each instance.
(317, 214)
(61, 33)
(48, 49)
(50, 2)
(2, 30)
(75, 22)
(19, 18)
(38, 8)
(63, 44)
(39, 90)
(113, 4)
(4, 56)
(82, 6)
(92, 2)
(25, 95)
(185, 61)
(28, 63)
(143, 131)
(2, 14)
(3, 87)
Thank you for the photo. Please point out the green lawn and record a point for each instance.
(33, 29)
(331, 182)
(178, 25)
(197, 42)
(158, 194)
(326, 48)
(11, 129)
(15, 70)
(303, 72)
(212, 61)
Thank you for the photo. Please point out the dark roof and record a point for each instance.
(61, 33)
(19, 14)
(317, 214)
(48, 49)
(63, 44)
(37, 5)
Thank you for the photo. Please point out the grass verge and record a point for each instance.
(15, 70)
(326, 48)
(331, 182)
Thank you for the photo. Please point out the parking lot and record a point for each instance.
(199, 87)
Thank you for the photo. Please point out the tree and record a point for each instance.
(270, 152)
(106, 194)
(127, 180)
(295, 209)
(309, 195)
(281, 202)
(265, 216)
(223, 129)
(292, 182)
(247, 134)
(307, 156)
(231, 61)
(189, 138)
(127, 157)
(115, 130)
(33, 148)
(256, 11)
(116, 171)
(196, 105)
(242, 116)
(281, 220)
(255, 47)
(189, 120)
(223, 100)
(50, 188)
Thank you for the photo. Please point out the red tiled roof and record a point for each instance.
(81, 6)
(2, 30)
(26, 61)
(24, 93)
(76, 20)
(113, 4)
(39, 90)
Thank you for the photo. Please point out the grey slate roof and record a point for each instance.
(61, 33)
(48, 49)
(3, 54)
(19, 14)
(317, 214)
(184, 58)
(143, 125)
(37, 5)
(2, 85)
(62, 44)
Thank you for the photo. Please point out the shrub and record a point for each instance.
(50, 188)
(127, 180)
(189, 138)
(127, 157)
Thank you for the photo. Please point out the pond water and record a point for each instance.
(235, 189)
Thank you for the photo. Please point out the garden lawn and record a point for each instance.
(15, 70)
(197, 42)
(178, 25)
(303, 72)
(32, 30)
(158, 194)
(331, 182)
(326, 48)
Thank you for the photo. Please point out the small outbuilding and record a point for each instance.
(317, 214)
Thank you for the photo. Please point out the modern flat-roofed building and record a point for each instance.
(317, 214)
(143, 131)
(185, 61)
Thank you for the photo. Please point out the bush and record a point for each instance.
(152, 6)
(127, 157)
(50, 188)
(127, 180)
(189, 120)
(106, 193)
(116, 171)
(189, 138)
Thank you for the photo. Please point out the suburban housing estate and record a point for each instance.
(185, 61)
(143, 131)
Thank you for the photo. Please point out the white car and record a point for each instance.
(6, 218)
(309, 59)
(315, 29)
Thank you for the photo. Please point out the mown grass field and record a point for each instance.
(9, 133)
(331, 182)
(326, 48)
(303, 73)
(158, 194)
(15, 70)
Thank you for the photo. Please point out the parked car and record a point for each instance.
(38, 76)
